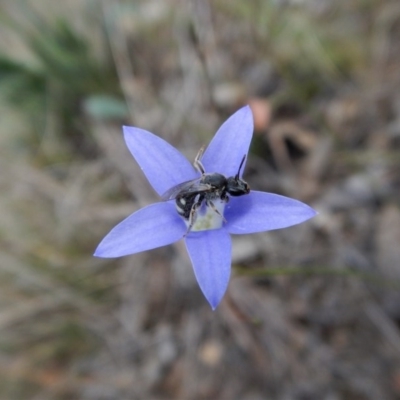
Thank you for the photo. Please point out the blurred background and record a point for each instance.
(312, 312)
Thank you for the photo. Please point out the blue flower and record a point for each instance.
(208, 243)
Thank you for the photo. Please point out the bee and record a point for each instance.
(191, 195)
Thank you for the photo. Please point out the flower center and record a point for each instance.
(207, 218)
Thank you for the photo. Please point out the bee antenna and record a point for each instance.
(240, 167)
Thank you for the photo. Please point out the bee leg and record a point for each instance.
(192, 216)
(197, 163)
(225, 198)
(212, 205)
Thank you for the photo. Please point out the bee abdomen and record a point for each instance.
(184, 204)
(180, 205)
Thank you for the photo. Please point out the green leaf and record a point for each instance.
(105, 107)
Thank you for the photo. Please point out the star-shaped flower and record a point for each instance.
(208, 241)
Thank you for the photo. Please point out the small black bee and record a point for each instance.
(190, 195)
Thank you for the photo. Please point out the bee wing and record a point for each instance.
(192, 186)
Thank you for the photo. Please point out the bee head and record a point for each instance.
(237, 186)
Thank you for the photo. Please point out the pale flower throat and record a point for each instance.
(207, 218)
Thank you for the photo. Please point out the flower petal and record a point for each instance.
(210, 253)
(230, 144)
(153, 226)
(163, 165)
(259, 211)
